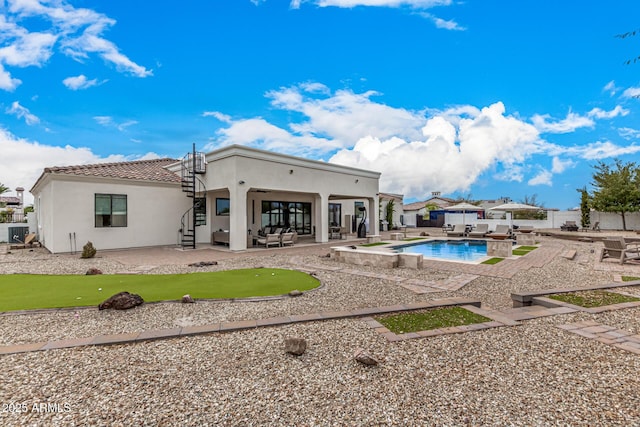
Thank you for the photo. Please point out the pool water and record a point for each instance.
(453, 250)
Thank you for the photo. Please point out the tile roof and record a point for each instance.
(437, 200)
(150, 170)
(10, 200)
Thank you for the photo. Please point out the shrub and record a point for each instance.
(88, 251)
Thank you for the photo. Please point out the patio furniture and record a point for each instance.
(595, 227)
(221, 237)
(569, 226)
(447, 227)
(459, 230)
(271, 239)
(481, 230)
(502, 232)
(619, 249)
(286, 239)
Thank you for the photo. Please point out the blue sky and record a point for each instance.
(487, 98)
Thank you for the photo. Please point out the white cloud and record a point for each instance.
(107, 121)
(259, 132)
(104, 120)
(78, 32)
(601, 114)
(23, 161)
(345, 116)
(602, 150)
(559, 165)
(610, 87)
(222, 117)
(451, 155)
(629, 133)
(542, 178)
(417, 152)
(23, 113)
(79, 82)
(443, 24)
(418, 4)
(572, 122)
(632, 92)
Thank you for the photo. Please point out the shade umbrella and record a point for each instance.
(464, 207)
(512, 207)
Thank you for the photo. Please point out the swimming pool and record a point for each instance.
(452, 250)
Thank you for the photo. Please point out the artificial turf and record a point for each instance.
(436, 318)
(33, 291)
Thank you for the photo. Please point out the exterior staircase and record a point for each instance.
(193, 164)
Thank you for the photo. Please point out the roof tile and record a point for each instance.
(150, 170)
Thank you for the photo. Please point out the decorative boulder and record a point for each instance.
(295, 346)
(121, 301)
(365, 358)
(93, 271)
(203, 263)
(187, 299)
(295, 293)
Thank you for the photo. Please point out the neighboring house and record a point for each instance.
(11, 207)
(398, 212)
(415, 209)
(237, 191)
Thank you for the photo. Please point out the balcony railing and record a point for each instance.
(12, 217)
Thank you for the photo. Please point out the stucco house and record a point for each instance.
(225, 196)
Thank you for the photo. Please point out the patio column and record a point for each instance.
(374, 215)
(322, 218)
(238, 217)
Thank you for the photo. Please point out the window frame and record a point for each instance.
(220, 210)
(110, 214)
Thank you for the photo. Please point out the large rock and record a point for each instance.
(203, 263)
(187, 299)
(295, 346)
(93, 271)
(121, 301)
(365, 358)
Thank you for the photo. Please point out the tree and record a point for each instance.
(389, 211)
(585, 217)
(616, 189)
(3, 188)
(531, 200)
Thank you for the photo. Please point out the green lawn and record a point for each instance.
(492, 261)
(436, 318)
(523, 250)
(31, 291)
(367, 245)
(590, 299)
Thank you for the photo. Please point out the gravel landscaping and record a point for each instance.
(531, 374)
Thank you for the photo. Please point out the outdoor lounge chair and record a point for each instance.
(269, 240)
(569, 226)
(502, 232)
(618, 249)
(286, 239)
(481, 230)
(458, 231)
